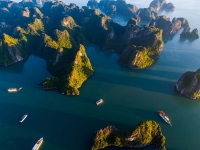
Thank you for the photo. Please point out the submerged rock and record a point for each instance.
(189, 84)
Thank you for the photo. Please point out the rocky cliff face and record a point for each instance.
(138, 55)
(146, 133)
(68, 22)
(158, 5)
(92, 3)
(184, 22)
(112, 7)
(70, 73)
(169, 28)
(189, 84)
(146, 14)
(31, 28)
(189, 35)
(56, 39)
(11, 51)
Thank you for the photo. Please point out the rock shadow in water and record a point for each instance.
(143, 113)
(18, 143)
(152, 85)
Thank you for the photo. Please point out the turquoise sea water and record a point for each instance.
(130, 96)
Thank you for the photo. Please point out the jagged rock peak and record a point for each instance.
(158, 5)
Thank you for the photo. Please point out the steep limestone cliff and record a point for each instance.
(11, 51)
(144, 47)
(169, 28)
(189, 84)
(80, 69)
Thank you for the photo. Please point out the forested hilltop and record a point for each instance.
(146, 133)
(58, 32)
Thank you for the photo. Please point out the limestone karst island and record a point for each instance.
(58, 32)
(144, 134)
(133, 62)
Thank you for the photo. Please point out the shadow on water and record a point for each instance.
(184, 100)
(151, 85)
(15, 143)
(162, 74)
(143, 113)
(87, 100)
(184, 39)
(107, 53)
(14, 68)
(150, 147)
(168, 148)
(52, 125)
(167, 38)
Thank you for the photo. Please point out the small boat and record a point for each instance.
(38, 144)
(165, 117)
(14, 89)
(99, 101)
(23, 118)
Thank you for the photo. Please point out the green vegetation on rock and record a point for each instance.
(58, 33)
(11, 50)
(79, 71)
(145, 133)
(143, 51)
(189, 84)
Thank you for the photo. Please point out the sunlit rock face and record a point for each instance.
(138, 55)
(189, 84)
(169, 27)
(146, 133)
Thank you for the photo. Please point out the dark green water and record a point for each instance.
(130, 96)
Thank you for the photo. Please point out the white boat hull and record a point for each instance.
(38, 144)
(23, 118)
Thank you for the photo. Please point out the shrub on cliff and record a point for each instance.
(147, 132)
(143, 47)
(71, 77)
(11, 50)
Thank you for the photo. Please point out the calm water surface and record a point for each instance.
(130, 96)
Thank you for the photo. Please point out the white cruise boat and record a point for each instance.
(14, 89)
(165, 117)
(23, 118)
(99, 101)
(38, 144)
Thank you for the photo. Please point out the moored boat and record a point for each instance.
(99, 101)
(23, 118)
(38, 144)
(14, 89)
(165, 117)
